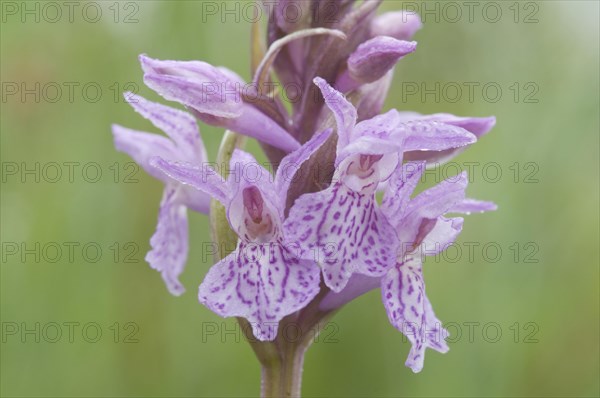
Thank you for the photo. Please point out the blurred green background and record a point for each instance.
(541, 293)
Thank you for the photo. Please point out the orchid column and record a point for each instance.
(305, 235)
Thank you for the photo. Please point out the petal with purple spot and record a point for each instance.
(399, 189)
(170, 241)
(344, 231)
(424, 209)
(409, 311)
(262, 283)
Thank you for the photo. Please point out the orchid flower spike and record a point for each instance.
(306, 241)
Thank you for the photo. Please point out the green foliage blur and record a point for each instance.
(541, 293)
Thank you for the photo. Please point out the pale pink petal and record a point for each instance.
(375, 57)
(170, 241)
(357, 286)
(423, 211)
(469, 206)
(399, 189)
(216, 97)
(202, 178)
(441, 234)
(401, 25)
(478, 126)
(180, 126)
(343, 111)
(425, 135)
(143, 146)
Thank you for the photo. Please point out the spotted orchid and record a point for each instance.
(304, 233)
(170, 241)
(423, 229)
(342, 224)
(262, 280)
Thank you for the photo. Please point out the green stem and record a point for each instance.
(282, 377)
(269, 381)
(293, 366)
(282, 371)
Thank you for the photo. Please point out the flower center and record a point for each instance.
(258, 222)
(364, 166)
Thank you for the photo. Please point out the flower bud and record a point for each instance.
(375, 57)
(401, 25)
